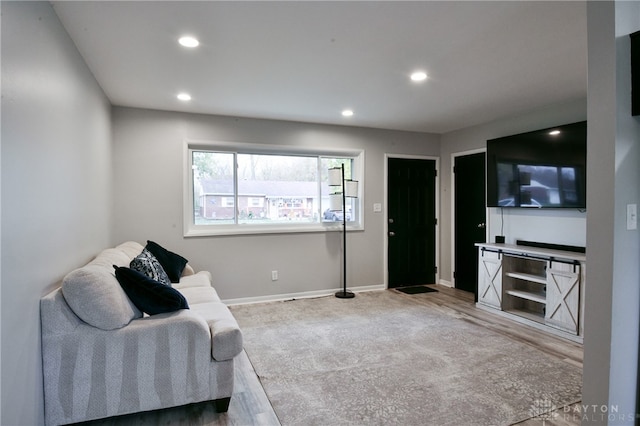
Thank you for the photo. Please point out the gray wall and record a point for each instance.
(612, 313)
(56, 187)
(148, 159)
(555, 226)
(625, 319)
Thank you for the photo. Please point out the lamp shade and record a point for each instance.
(335, 202)
(335, 176)
(351, 188)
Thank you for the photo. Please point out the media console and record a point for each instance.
(538, 286)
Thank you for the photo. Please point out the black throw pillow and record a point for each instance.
(148, 295)
(172, 263)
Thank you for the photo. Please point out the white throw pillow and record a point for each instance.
(96, 297)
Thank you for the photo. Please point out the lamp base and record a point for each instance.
(345, 295)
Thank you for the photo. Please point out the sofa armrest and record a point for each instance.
(226, 336)
(188, 270)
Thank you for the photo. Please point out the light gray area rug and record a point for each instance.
(384, 359)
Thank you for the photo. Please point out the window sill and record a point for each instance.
(222, 230)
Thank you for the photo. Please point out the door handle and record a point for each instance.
(392, 234)
(481, 225)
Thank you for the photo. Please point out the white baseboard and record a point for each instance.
(301, 295)
(445, 283)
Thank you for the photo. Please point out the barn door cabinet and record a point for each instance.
(490, 279)
(563, 296)
(536, 286)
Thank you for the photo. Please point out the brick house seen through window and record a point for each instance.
(259, 200)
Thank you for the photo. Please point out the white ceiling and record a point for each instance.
(307, 61)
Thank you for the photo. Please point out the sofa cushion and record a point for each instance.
(200, 279)
(172, 263)
(199, 294)
(94, 295)
(108, 257)
(146, 263)
(148, 295)
(130, 248)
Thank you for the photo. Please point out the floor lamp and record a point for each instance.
(338, 202)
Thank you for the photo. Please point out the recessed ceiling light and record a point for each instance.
(347, 113)
(188, 41)
(419, 76)
(554, 132)
(184, 97)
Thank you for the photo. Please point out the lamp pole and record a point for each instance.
(344, 294)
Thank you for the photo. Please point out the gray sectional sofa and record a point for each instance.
(103, 357)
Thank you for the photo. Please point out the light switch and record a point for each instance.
(632, 217)
(377, 207)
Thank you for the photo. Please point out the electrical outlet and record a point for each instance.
(274, 275)
(632, 217)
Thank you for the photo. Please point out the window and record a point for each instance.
(256, 202)
(240, 191)
(228, 201)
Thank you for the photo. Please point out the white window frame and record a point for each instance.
(190, 229)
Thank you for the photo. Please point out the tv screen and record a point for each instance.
(541, 169)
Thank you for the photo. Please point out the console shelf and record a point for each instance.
(539, 286)
(534, 297)
(527, 277)
(529, 316)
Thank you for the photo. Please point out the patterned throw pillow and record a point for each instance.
(147, 264)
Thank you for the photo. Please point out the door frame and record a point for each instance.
(453, 207)
(385, 227)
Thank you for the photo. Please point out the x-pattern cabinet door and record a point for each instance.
(563, 296)
(490, 279)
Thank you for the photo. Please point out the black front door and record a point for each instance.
(469, 218)
(412, 222)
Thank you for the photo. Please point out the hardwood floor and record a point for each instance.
(250, 406)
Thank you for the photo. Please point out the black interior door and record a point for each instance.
(412, 222)
(469, 218)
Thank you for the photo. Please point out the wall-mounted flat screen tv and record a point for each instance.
(541, 169)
